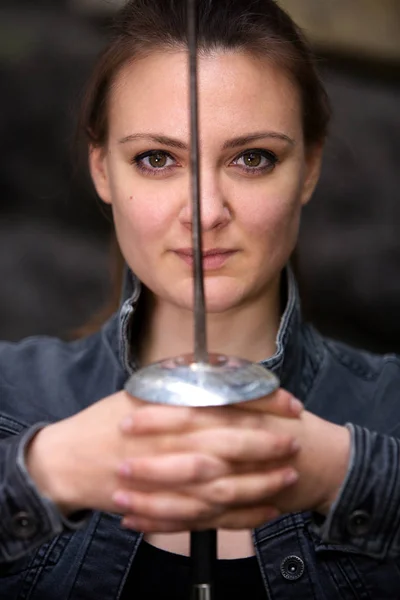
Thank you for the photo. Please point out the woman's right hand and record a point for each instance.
(76, 462)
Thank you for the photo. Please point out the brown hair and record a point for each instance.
(260, 27)
(257, 26)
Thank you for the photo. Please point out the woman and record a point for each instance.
(318, 486)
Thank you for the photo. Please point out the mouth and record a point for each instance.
(212, 259)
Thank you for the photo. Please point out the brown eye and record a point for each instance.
(252, 159)
(158, 160)
(154, 162)
(256, 161)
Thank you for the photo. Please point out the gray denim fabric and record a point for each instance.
(354, 553)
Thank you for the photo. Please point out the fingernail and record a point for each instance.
(124, 470)
(291, 477)
(296, 406)
(295, 446)
(121, 499)
(127, 424)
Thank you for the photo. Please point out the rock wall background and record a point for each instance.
(54, 234)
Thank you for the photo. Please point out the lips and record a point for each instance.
(214, 258)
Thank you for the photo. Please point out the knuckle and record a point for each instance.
(280, 444)
(203, 512)
(281, 393)
(138, 468)
(287, 446)
(223, 492)
(282, 396)
(196, 511)
(198, 468)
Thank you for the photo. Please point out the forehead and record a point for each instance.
(238, 92)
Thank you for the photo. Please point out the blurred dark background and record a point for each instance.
(55, 236)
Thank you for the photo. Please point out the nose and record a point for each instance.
(214, 207)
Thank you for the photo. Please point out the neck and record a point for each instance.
(247, 331)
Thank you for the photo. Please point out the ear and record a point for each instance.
(99, 172)
(313, 169)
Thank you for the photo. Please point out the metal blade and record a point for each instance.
(203, 543)
(200, 333)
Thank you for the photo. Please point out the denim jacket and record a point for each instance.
(354, 553)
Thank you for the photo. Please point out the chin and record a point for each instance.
(220, 296)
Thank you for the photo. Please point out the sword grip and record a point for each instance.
(203, 551)
(202, 592)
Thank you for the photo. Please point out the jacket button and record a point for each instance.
(292, 568)
(359, 523)
(23, 525)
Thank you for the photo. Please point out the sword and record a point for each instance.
(200, 379)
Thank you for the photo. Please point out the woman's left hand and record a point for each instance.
(322, 464)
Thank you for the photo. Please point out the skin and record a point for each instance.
(254, 212)
(168, 469)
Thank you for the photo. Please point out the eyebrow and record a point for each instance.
(237, 142)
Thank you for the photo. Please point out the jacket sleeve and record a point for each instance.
(366, 513)
(27, 519)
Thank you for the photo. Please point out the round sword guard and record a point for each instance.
(182, 381)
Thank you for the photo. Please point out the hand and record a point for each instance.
(75, 462)
(322, 464)
(225, 466)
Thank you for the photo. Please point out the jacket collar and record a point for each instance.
(298, 348)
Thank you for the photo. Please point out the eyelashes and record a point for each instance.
(255, 161)
(258, 160)
(157, 160)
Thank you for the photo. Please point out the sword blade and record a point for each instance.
(203, 544)
(200, 333)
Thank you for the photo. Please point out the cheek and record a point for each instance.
(272, 216)
(275, 216)
(279, 206)
(140, 225)
(142, 216)
(142, 208)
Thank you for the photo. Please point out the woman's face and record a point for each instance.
(255, 174)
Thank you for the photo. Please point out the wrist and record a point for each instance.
(45, 464)
(322, 464)
(336, 464)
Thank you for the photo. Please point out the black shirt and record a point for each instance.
(160, 574)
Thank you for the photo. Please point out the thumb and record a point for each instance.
(281, 403)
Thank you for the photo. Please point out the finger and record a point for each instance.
(151, 525)
(174, 469)
(233, 519)
(239, 518)
(209, 502)
(167, 506)
(245, 490)
(157, 419)
(243, 445)
(281, 403)
(174, 472)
